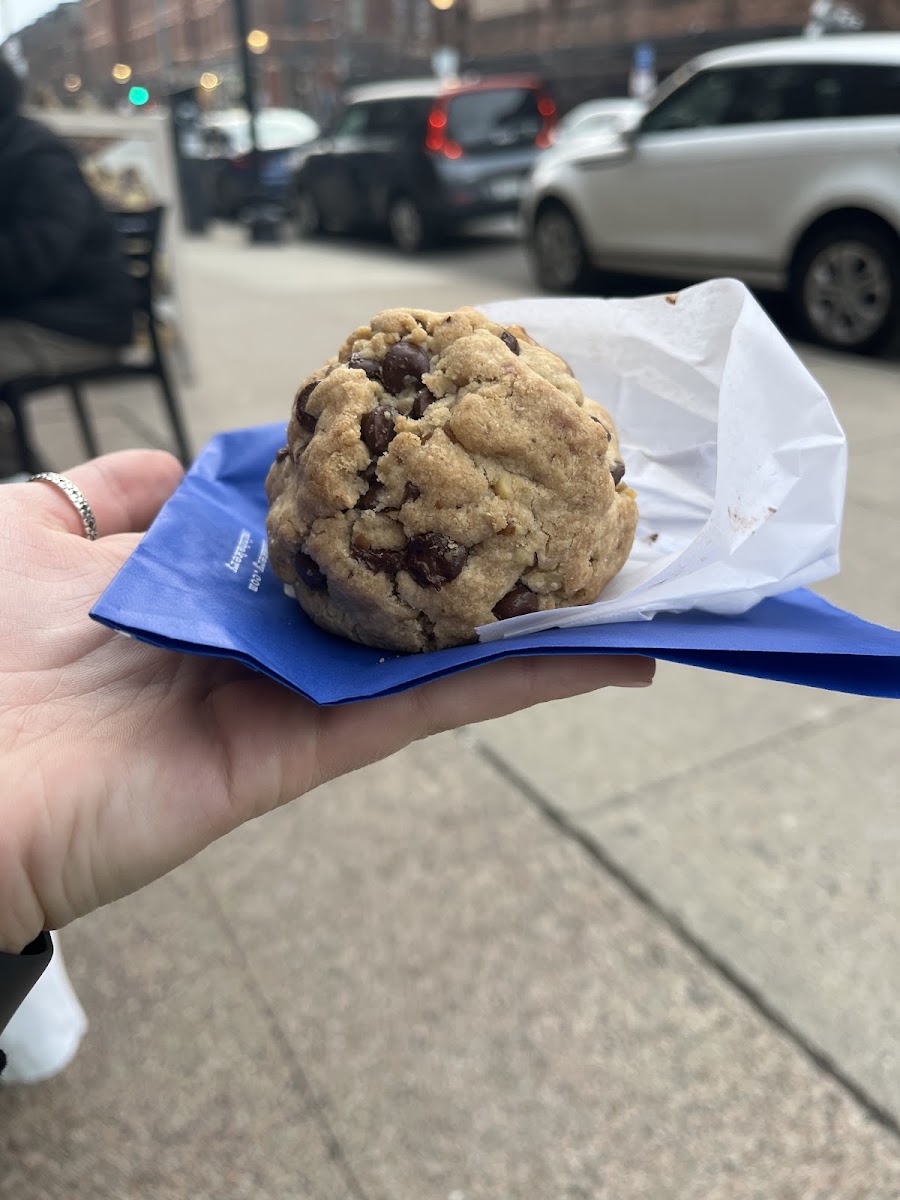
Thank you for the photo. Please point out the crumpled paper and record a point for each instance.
(737, 458)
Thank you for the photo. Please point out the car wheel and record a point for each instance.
(407, 225)
(560, 260)
(845, 287)
(305, 215)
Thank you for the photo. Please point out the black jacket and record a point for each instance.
(18, 975)
(61, 265)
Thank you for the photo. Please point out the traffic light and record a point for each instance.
(138, 96)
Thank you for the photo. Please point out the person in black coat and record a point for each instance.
(66, 300)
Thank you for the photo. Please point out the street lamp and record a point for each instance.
(448, 38)
(262, 225)
(121, 72)
(209, 80)
(72, 83)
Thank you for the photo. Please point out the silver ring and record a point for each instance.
(75, 494)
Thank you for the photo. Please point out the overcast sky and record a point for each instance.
(16, 13)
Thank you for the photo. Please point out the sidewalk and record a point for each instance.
(634, 945)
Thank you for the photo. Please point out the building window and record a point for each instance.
(356, 16)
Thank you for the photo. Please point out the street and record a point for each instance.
(633, 945)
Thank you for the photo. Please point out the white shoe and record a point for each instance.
(44, 1035)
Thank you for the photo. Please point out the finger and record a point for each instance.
(356, 734)
(279, 745)
(125, 491)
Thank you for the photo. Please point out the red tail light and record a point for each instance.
(547, 109)
(242, 162)
(436, 138)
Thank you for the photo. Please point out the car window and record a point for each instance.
(701, 102)
(353, 121)
(787, 92)
(872, 91)
(776, 92)
(399, 118)
(494, 118)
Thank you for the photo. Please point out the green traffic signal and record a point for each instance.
(138, 96)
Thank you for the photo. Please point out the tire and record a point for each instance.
(845, 287)
(305, 214)
(407, 225)
(559, 258)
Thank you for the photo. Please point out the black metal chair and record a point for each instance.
(140, 232)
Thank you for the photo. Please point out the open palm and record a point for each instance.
(119, 761)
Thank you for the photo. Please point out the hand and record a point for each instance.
(119, 761)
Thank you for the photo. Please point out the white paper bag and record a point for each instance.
(45, 1032)
(737, 458)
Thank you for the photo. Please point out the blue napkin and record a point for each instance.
(198, 583)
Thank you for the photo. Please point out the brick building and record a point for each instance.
(54, 47)
(581, 48)
(314, 46)
(585, 48)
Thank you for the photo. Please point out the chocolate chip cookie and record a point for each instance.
(441, 473)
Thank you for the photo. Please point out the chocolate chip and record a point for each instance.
(370, 473)
(617, 470)
(370, 499)
(421, 402)
(507, 338)
(410, 492)
(403, 361)
(433, 560)
(377, 428)
(518, 601)
(357, 362)
(304, 419)
(282, 453)
(387, 561)
(308, 572)
(602, 426)
(305, 392)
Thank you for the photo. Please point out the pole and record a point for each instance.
(163, 47)
(262, 228)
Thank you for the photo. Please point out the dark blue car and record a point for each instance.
(421, 159)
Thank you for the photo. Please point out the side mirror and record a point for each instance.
(628, 127)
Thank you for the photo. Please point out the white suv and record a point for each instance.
(778, 163)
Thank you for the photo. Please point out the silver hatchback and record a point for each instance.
(777, 163)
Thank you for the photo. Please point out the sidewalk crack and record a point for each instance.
(299, 1079)
(566, 825)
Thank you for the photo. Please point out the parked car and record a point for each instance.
(777, 163)
(419, 159)
(279, 133)
(599, 116)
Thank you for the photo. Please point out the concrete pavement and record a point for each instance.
(631, 945)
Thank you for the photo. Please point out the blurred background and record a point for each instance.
(628, 946)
